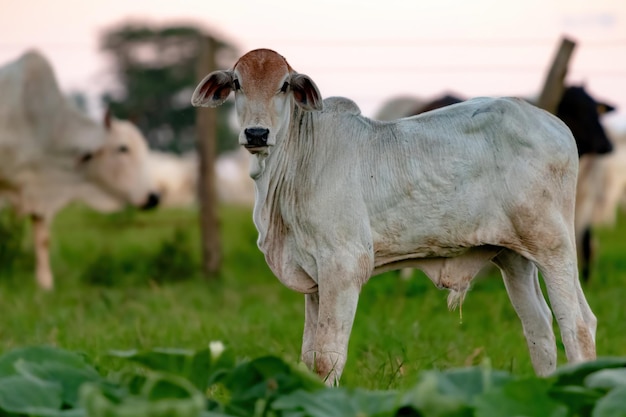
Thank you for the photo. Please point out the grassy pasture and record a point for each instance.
(129, 280)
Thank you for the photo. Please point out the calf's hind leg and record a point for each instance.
(522, 285)
(576, 321)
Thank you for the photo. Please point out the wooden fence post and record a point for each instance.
(553, 86)
(206, 140)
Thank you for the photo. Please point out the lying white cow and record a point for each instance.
(233, 179)
(176, 178)
(51, 154)
(340, 197)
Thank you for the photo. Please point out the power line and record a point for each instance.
(383, 43)
(351, 70)
(451, 42)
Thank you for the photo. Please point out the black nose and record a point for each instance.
(257, 136)
(151, 202)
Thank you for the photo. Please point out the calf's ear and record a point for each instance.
(305, 92)
(213, 90)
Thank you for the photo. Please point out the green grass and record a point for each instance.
(131, 280)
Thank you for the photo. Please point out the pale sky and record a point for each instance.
(366, 50)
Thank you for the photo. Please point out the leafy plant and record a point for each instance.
(42, 381)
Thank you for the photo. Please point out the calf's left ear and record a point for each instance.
(305, 92)
(213, 90)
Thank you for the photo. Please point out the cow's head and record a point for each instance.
(581, 113)
(266, 88)
(120, 165)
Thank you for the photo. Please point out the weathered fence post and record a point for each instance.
(206, 121)
(553, 85)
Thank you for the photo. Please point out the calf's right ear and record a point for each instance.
(213, 90)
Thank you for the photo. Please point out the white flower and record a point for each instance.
(216, 347)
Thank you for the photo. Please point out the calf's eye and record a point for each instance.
(236, 85)
(284, 88)
(122, 149)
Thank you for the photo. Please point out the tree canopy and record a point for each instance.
(156, 71)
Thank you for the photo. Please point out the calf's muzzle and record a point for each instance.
(256, 136)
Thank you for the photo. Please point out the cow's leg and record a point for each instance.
(338, 292)
(41, 231)
(311, 312)
(588, 316)
(522, 285)
(337, 308)
(576, 321)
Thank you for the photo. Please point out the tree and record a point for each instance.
(155, 67)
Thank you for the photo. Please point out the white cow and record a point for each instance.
(233, 178)
(340, 197)
(398, 107)
(52, 154)
(176, 178)
(612, 180)
(601, 185)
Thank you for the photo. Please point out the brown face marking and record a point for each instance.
(262, 72)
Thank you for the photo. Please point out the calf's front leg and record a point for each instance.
(311, 312)
(325, 341)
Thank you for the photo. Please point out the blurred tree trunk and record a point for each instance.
(554, 85)
(206, 142)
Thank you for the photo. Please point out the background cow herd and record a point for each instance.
(52, 154)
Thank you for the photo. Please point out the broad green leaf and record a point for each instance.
(220, 366)
(429, 400)
(205, 413)
(606, 378)
(575, 374)
(310, 380)
(338, 402)
(466, 383)
(611, 405)
(197, 366)
(48, 412)
(526, 397)
(579, 400)
(70, 378)
(261, 381)
(174, 361)
(163, 395)
(40, 354)
(165, 388)
(284, 377)
(29, 395)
